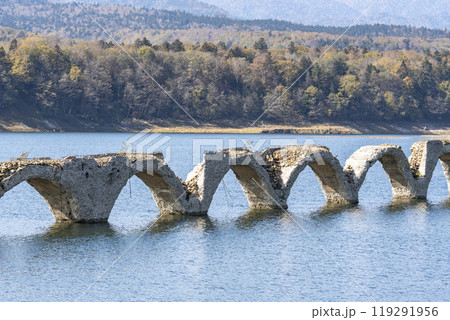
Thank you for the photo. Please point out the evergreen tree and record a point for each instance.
(222, 45)
(13, 45)
(177, 46)
(403, 71)
(339, 66)
(426, 81)
(260, 45)
(146, 42)
(138, 43)
(165, 46)
(208, 47)
(292, 49)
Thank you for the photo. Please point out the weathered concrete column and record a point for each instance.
(423, 160)
(94, 186)
(445, 161)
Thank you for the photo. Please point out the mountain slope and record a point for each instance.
(70, 21)
(192, 6)
(428, 13)
(318, 12)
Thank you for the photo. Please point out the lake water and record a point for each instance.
(389, 251)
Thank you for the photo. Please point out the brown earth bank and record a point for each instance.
(131, 125)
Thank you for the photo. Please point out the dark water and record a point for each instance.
(391, 251)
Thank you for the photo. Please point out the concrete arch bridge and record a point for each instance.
(85, 189)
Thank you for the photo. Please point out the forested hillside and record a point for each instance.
(282, 39)
(93, 83)
(70, 21)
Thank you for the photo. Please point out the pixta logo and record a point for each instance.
(308, 152)
(143, 143)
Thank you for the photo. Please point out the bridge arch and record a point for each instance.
(409, 178)
(167, 189)
(46, 181)
(292, 160)
(253, 178)
(395, 164)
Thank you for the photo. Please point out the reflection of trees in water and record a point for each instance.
(331, 209)
(447, 203)
(74, 230)
(253, 217)
(168, 223)
(163, 223)
(401, 205)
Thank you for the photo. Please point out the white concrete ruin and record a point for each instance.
(85, 189)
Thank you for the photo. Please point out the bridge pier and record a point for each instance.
(445, 162)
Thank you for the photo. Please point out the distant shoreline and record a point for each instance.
(310, 129)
